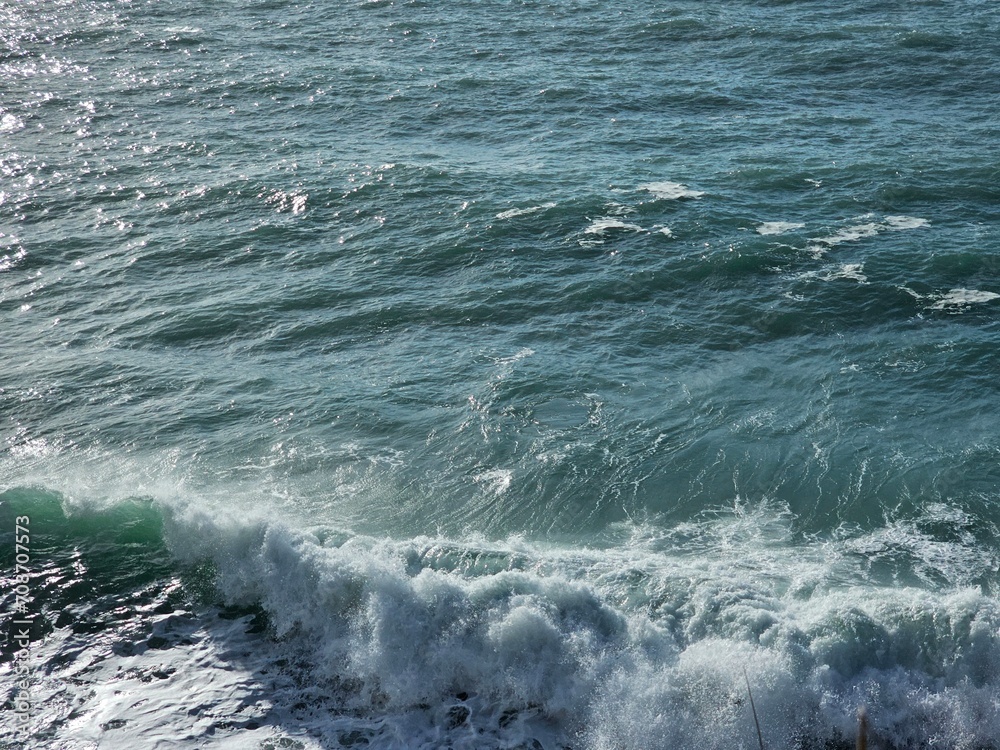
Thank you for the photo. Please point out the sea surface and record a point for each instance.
(496, 374)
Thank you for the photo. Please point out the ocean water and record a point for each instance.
(499, 374)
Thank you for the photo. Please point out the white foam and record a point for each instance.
(665, 621)
(523, 353)
(32, 448)
(515, 212)
(670, 190)
(639, 640)
(496, 481)
(10, 123)
(851, 234)
(849, 271)
(960, 298)
(601, 226)
(857, 232)
(778, 227)
(906, 222)
(183, 696)
(852, 271)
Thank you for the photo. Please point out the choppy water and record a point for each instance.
(500, 374)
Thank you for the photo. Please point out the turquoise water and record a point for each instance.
(498, 373)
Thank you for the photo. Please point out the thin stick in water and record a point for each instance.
(760, 737)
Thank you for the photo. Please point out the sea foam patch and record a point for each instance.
(600, 229)
(851, 234)
(957, 299)
(670, 190)
(841, 271)
(856, 232)
(609, 223)
(906, 222)
(778, 227)
(10, 123)
(515, 212)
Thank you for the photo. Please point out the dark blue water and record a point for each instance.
(487, 374)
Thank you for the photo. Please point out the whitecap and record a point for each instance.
(852, 271)
(9, 123)
(778, 227)
(857, 232)
(514, 212)
(959, 298)
(849, 271)
(605, 223)
(851, 234)
(638, 640)
(33, 448)
(495, 482)
(906, 222)
(670, 190)
(523, 353)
